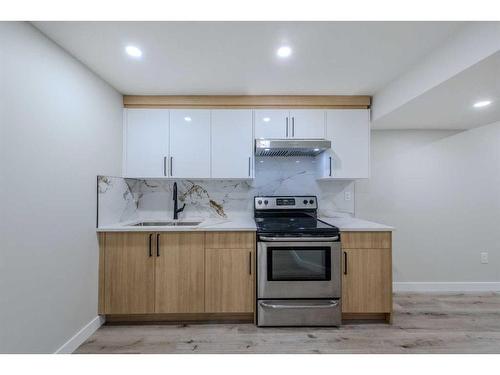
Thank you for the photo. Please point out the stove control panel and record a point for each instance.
(286, 202)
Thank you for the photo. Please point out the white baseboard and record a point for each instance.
(79, 338)
(446, 287)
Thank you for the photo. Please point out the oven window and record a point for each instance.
(298, 264)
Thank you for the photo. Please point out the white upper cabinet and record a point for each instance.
(204, 143)
(349, 157)
(297, 123)
(146, 142)
(232, 143)
(189, 143)
(307, 123)
(271, 123)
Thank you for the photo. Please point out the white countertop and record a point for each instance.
(353, 224)
(345, 224)
(238, 224)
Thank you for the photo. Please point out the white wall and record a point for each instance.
(60, 127)
(441, 189)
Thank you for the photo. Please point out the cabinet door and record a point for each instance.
(349, 132)
(366, 282)
(229, 280)
(128, 274)
(146, 142)
(179, 272)
(232, 144)
(271, 123)
(307, 123)
(189, 143)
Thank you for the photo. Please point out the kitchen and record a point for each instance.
(275, 196)
(271, 161)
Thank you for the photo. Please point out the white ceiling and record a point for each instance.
(239, 57)
(450, 104)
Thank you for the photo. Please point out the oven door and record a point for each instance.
(298, 269)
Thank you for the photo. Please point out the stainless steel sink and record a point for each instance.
(166, 224)
(186, 223)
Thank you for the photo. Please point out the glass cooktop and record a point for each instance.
(294, 224)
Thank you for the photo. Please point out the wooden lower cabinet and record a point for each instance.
(229, 280)
(366, 274)
(208, 274)
(229, 272)
(180, 272)
(128, 274)
(367, 281)
(173, 273)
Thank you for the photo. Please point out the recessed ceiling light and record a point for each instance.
(316, 149)
(266, 119)
(284, 51)
(482, 103)
(133, 51)
(187, 119)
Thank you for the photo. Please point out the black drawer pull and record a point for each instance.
(150, 250)
(158, 244)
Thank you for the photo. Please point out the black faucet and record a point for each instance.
(177, 210)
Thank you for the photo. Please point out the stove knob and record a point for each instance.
(266, 202)
(311, 201)
(259, 201)
(305, 201)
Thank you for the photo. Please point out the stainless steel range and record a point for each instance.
(298, 264)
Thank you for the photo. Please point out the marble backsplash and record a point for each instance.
(115, 201)
(121, 200)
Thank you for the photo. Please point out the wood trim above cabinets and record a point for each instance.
(247, 101)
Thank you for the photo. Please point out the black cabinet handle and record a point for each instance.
(250, 262)
(165, 166)
(157, 244)
(345, 263)
(171, 166)
(330, 166)
(286, 128)
(150, 250)
(293, 127)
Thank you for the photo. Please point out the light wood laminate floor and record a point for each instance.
(423, 323)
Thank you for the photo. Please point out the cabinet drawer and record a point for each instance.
(299, 313)
(366, 240)
(230, 240)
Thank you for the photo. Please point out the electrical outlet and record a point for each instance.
(484, 258)
(347, 195)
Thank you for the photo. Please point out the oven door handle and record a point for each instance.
(298, 239)
(285, 306)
